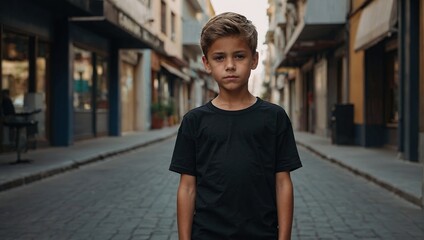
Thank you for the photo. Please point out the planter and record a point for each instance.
(157, 121)
(171, 121)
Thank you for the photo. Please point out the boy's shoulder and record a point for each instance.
(196, 113)
(271, 107)
(197, 110)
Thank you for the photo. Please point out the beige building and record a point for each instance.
(307, 60)
(134, 80)
(178, 82)
(195, 15)
(357, 70)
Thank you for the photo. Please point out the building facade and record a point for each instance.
(177, 77)
(102, 67)
(309, 60)
(385, 60)
(88, 65)
(361, 57)
(195, 16)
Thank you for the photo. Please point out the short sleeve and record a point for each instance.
(287, 156)
(184, 156)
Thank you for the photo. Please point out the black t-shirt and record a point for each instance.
(234, 156)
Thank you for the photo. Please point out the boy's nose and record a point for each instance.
(230, 65)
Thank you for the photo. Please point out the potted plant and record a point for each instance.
(170, 113)
(158, 111)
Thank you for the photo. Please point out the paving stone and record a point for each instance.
(132, 196)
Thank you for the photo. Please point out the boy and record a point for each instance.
(235, 153)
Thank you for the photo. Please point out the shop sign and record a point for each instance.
(129, 25)
(133, 27)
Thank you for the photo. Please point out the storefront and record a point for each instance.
(379, 43)
(170, 90)
(25, 64)
(81, 83)
(127, 72)
(128, 90)
(90, 93)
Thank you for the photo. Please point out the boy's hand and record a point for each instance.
(284, 190)
(185, 205)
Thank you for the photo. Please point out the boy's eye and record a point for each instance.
(239, 56)
(218, 58)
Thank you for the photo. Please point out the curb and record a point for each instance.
(72, 165)
(399, 192)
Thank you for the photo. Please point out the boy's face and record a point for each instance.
(230, 61)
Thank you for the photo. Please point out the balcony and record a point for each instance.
(280, 19)
(196, 5)
(314, 30)
(191, 35)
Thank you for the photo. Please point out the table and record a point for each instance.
(18, 126)
(17, 122)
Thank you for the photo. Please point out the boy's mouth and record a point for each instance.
(230, 77)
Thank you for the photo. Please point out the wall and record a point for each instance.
(296, 119)
(173, 48)
(321, 113)
(357, 3)
(137, 10)
(356, 73)
(144, 90)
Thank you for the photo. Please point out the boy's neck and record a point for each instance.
(234, 102)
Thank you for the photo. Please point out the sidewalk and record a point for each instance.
(377, 165)
(380, 166)
(46, 162)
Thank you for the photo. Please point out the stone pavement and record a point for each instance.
(46, 162)
(378, 165)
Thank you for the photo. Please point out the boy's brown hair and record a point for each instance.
(226, 25)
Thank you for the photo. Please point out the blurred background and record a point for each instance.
(85, 80)
(103, 68)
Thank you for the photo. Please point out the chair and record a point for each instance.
(21, 140)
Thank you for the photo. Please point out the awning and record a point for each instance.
(175, 71)
(377, 22)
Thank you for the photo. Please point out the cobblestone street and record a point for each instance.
(132, 196)
(332, 203)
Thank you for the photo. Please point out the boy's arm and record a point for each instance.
(185, 205)
(284, 190)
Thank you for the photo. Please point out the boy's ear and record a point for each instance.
(206, 64)
(255, 60)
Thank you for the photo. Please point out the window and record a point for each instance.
(102, 91)
(26, 86)
(15, 66)
(173, 31)
(83, 79)
(41, 78)
(43, 55)
(163, 17)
